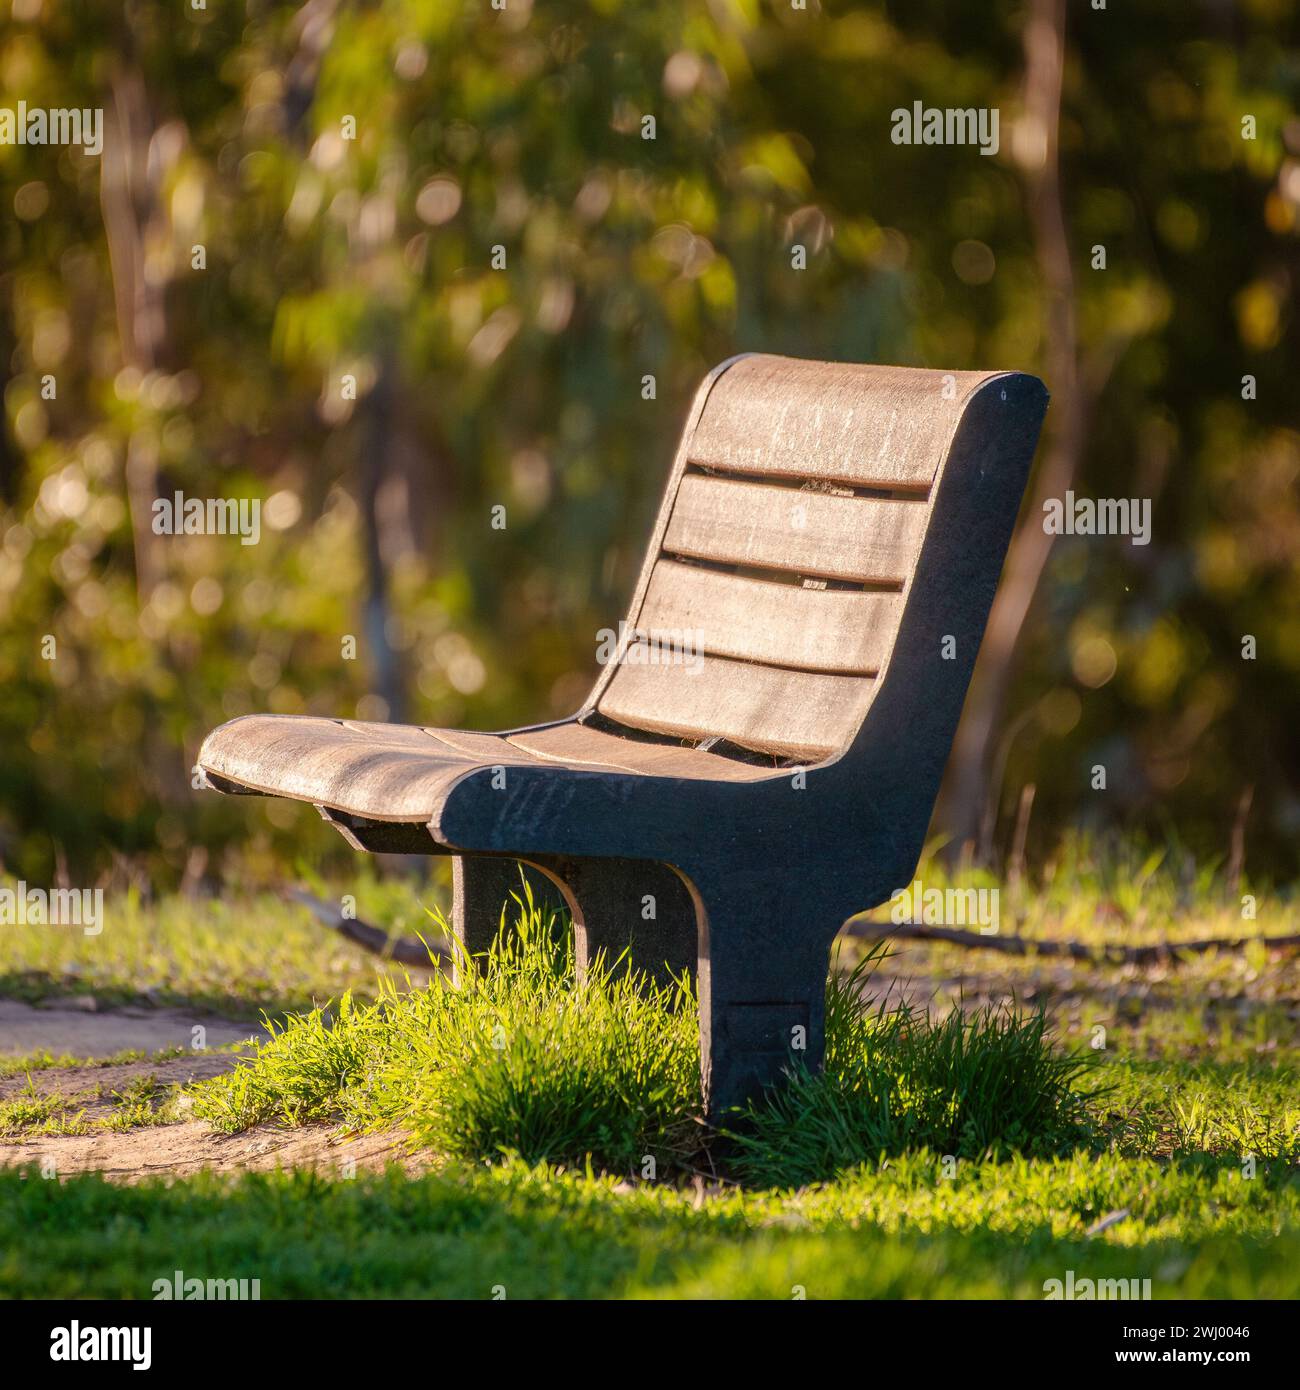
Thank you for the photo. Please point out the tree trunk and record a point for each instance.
(967, 801)
(377, 449)
(131, 214)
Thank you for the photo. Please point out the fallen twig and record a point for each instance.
(1168, 952)
(401, 949)
(1112, 1218)
(406, 951)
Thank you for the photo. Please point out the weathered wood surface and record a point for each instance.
(849, 631)
(869, 539)
(886, 427)
(815, 623)
(794, 714)
(385, 772)
(395, 773)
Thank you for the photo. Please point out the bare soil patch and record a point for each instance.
(90, 1089)
(181, 1149)
(159, 1150)
(93, 1088)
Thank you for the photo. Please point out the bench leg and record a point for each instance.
(635, 906)
(483, 888)
(764, 959)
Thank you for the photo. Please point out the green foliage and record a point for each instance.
(606, 1070)
(522, 387)
(142, 1101)
(30, 1110)
(237, 956)
(1195, 1107)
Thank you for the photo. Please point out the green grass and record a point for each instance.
(249, 951)
(142, 1100)
(915, 1167)
(970, 1084)
(1106, 892)
(992, 1230)
(46, 1060)
(241, 956)
(522, 1060)
(31, 1112)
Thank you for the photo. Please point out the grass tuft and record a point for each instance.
(973, 1085)
(519, 1059)
(522, 1060)
(531, 1063)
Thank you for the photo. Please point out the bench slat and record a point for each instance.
(578, 745)
(778, 624)
(870, 539)
(798, 714)
(885, 427)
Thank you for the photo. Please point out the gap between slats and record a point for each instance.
(807, 482)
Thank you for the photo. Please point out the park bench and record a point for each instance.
(759, 759)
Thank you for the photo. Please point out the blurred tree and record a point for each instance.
(405, 270)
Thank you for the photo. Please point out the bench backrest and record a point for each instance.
(784, 556)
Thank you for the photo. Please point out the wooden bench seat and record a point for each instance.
(400, 773)
(759, 759)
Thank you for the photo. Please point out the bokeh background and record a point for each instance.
(324, 256)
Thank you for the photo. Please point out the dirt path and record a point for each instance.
(93, 1087)
(78, 1028)
(90, 1091)
(180, 1149)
